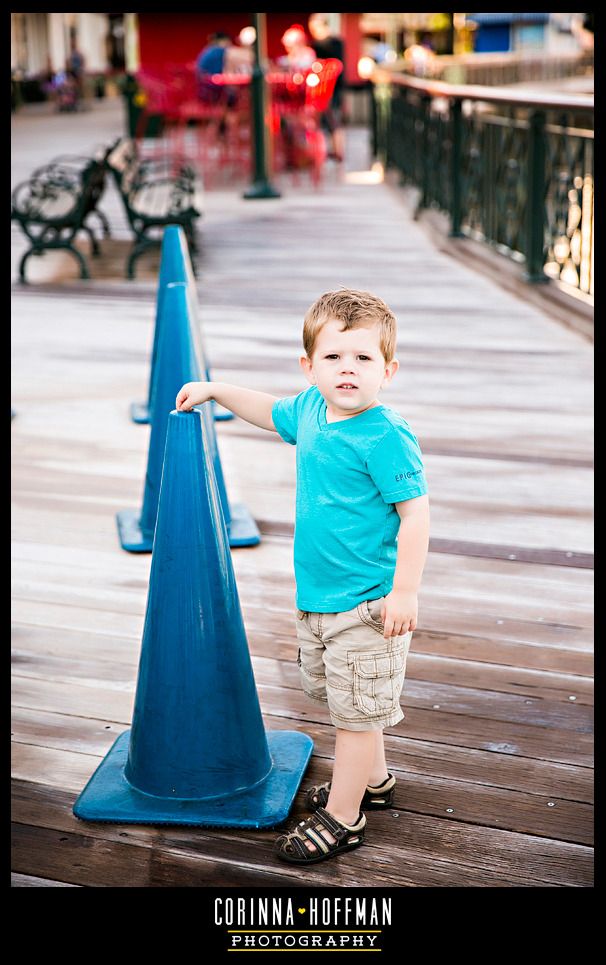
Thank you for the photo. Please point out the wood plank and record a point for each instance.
(424, 851)
(268, 637)
(410, 755)
(453, 723)
(557, 818)
(69, 658)
(474, 608)
(29, 881)
(556, 524)
(492, 807)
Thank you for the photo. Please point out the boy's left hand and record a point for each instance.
(399, 613)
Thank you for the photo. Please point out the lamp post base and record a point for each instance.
(261, 189)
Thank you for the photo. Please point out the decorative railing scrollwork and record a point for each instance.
(513, 171)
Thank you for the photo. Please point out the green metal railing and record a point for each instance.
(513, 171)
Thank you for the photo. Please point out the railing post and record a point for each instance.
(373, 119)
(382, 94)
(535, 206)
(424, 196)
(455, 169)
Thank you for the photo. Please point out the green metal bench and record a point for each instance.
(53, 206)
(155, 194)
(75, 163)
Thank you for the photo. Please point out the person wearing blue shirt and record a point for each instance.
(361, 540)
(211, 58)
(211, 61)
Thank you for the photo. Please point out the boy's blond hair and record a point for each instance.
(355, 309)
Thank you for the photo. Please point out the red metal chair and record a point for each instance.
(298, 100)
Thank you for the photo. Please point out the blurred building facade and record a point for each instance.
(123, 42)
(42, 41)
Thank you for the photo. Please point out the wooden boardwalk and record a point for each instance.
(494, 758)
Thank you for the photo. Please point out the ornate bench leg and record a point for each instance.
(144, 244)
(22, 277)
(95, 249)
(84, 273)
(130, 264)
(137, 249)
(104, 222)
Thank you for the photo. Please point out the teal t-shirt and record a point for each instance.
(349, 475)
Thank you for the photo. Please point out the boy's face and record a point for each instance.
(348, 367)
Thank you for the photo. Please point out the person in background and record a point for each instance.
(212, 57)
(238, 57)
(211, 60)
(75, 67)
(299, 56)
(327, 46)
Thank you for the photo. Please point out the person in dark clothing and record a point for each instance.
(326, 46)
(211, 58)
(75, 69)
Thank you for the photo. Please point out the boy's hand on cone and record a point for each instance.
(191, 394)
(399, 613)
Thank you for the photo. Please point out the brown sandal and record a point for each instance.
(291, 847)
(375, 798)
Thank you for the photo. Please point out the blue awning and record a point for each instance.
(494, 18)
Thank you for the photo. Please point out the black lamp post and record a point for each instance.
(261, 186)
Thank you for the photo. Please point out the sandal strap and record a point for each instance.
(387, 785)
(313, 830)
(298, 844)
(335, 827)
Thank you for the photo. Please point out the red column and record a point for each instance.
(352, 38)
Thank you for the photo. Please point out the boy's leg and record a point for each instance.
(354, 756)
(378, 771)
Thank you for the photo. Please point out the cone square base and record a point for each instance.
(242, 529)
(109, 797)
(139, 412)
(132, 537)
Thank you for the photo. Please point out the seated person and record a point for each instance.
(211, 60)
(299, 56)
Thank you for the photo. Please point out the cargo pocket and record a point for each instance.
(313, 683)
(365, 612)
(377, 680)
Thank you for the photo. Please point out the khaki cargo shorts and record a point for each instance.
(347, 664)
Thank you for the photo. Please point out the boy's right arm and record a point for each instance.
(250, 405)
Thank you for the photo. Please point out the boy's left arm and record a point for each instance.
(400, 607)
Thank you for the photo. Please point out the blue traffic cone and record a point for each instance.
(197, 752)
(175, 266)
(241, 527)
(179, 365)
(172, 269)
(181, 361)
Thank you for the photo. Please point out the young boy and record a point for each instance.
(361, 538)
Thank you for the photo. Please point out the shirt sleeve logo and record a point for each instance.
(407, 475)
